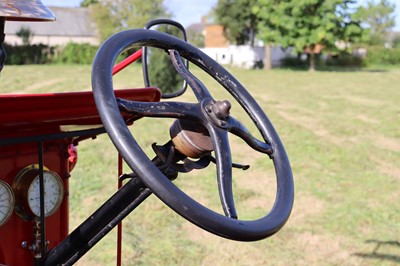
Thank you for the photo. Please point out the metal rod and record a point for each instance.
(42, 194)
(61, 135)
(119, 228)
(3, 54)
(108, 228)
(103, 220)
(127, 61)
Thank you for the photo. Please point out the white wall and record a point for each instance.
(52, 40)
(245, 56)
(277, 54)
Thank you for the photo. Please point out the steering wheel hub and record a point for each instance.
(217, 112)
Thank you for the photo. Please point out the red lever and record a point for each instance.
(127, 61)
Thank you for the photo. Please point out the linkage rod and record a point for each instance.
(103, 220)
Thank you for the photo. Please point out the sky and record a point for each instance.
(187, 12)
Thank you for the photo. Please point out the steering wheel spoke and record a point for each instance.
(223, 160)
(238, 129)
(160, 109)
(197, 86)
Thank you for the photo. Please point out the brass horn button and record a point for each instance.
(191, 138)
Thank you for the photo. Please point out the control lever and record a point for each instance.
(167, 158)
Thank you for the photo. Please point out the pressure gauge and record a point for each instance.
(6, 202)
(27, 192)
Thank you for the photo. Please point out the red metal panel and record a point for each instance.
(16, 230)
(26, 111)
(25, 115)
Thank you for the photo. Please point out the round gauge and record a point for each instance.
(6, 202)
(27, 192)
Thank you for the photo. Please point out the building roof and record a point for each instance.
(391, 35)
(196, 27)
(70, 22)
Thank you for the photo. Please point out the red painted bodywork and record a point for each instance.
(23, 115)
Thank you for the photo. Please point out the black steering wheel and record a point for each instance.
(212, 115)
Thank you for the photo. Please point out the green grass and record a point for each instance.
(341, 132)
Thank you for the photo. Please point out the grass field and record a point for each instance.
(341, 131)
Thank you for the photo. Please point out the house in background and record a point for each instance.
(244, 56)
(72, 25)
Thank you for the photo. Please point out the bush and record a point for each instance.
(258, 64)
(396, 42)
(74, 53)
(338, 60)
(344, 60)
(28, 54)
(383, 56)
(298, 62)
(294, 62)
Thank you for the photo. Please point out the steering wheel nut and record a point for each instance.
(221, 109)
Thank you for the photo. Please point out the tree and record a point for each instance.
(86, 3)
(307, 24)
(26, 34)
(112, 16)
(379, 18)
(238, 20)
(396, 42)
(162, 73)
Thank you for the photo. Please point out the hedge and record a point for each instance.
(383, 56)
(71, 53)
(74, 53)
(29, 54)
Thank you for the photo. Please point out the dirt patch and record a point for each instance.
(386, 167)
(225, 251)
(367, 119)
(305, 206)
(312, 124)
(364, 101)
(195, 233)
(321, 249)
(387, 143)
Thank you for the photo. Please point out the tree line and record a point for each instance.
(304, 25)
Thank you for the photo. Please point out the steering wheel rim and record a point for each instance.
(161, 186)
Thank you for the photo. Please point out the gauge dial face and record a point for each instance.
(26, 187)
(6, 202)
(53, 194)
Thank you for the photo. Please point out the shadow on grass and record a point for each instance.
(351, 69)
(336, 69)
(377, 254)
